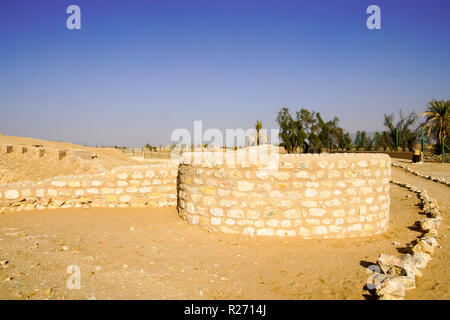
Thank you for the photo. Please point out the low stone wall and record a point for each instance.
(37, 151)
(308, 195)
(136, 186)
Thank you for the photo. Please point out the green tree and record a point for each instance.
(287, 130)
(361, 140)
(307, 130)
(437, 120)
(406, 135)
(345, 143)
(384, 141)
(329, 132)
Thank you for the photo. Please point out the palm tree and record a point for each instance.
(437, 120)
(258, 127)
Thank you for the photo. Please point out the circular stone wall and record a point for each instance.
(307, 196)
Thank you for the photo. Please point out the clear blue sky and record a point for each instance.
(137, 70)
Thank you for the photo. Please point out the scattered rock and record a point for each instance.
(392, 265)
(433, 212)
(431, 233)
(425, 245)
(418, 261)
(389, 289)
(428, 224)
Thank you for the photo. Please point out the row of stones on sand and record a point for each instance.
(399, 273)
(152, 187)
(417, 173)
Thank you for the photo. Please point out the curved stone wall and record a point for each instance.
(308, 195)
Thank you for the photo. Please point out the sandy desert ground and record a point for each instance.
(153, 254)
(17, 167)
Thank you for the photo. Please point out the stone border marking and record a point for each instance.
(417, 173)
(399, 273)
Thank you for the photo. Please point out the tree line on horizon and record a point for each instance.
(307, 132)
